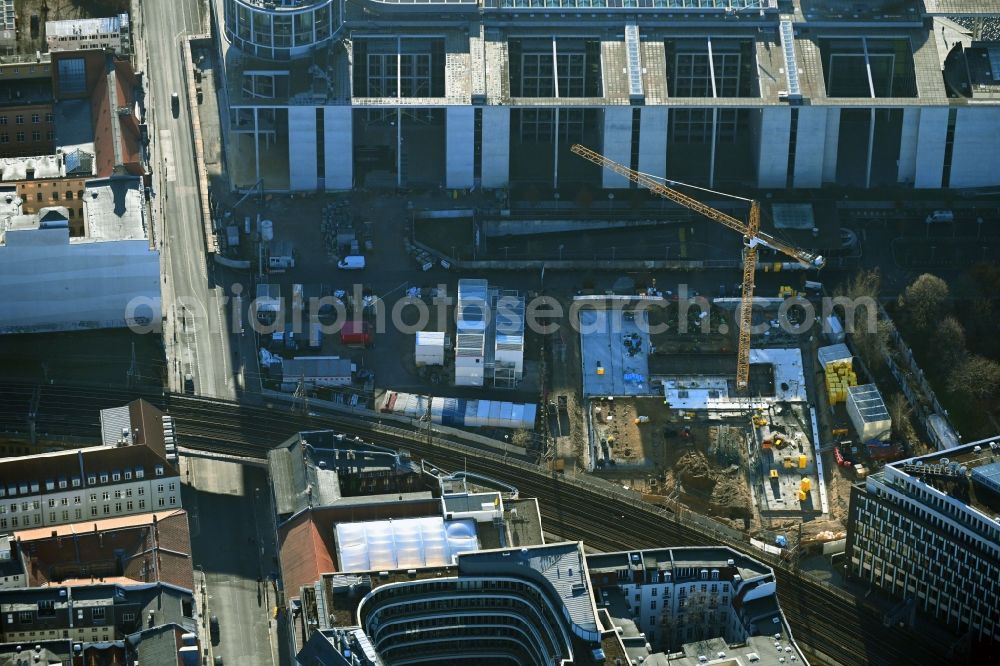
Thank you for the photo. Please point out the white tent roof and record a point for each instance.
(403, 544)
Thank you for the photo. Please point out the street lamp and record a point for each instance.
(561, 247)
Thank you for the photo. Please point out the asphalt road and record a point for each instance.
(195, 335)
(232, 541)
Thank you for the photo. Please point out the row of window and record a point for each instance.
(24, 487)
(36, 118)
(106, 496)
(941, 505)
(46, 608)
(20, 137)
(15, 521)
(29, 70)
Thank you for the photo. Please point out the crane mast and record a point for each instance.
(752, 238)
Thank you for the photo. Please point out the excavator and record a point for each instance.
(753, 238)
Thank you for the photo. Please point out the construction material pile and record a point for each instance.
(838, 368)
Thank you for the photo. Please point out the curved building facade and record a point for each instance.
(487, 620)
(279, 30)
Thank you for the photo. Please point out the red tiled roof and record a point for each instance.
(146, 548)
(111, 126)
(305, 553)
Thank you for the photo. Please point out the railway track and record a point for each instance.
(827, 620)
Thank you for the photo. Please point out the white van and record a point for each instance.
(940, 216)
(281, 263)
(353, 262)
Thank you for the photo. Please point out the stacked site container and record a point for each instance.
(470, 338)
(429, 348)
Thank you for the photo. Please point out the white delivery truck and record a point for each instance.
(352, 262)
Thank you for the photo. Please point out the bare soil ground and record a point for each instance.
(691, 469)
(565, 380)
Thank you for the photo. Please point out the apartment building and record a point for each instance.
(102, 613)
(131, 477)
(51, 180)
(27, 115)
(927, 531)
(674, 596)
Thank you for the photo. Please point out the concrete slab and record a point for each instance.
(615, 353)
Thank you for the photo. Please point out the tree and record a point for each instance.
(923, 304)
(976, 377)
(948, 344)
(521, 438)
(901, 414)
(869, 342)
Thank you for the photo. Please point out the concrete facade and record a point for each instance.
(617, 143)
(653, 140)
(496, 146)
(930, 147)
(810, 147)
(338, 126)
(772, 166)
(976, 152)
(460, 147)
(302, 147)
(538, 93)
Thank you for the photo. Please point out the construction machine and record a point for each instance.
(753, 237)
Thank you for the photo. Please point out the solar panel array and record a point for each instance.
(634, 64)
(791, 67)
(988, 476)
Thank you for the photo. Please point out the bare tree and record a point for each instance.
(948, 344)
(923, 304)
(521, 438)
(869, 342)
(976, 377)
(901, 414)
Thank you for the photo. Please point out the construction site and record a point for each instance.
(726, 406)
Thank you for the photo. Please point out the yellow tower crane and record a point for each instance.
(752, 237)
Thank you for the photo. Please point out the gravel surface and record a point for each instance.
(991, 27)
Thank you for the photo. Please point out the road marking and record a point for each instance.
(167, 150)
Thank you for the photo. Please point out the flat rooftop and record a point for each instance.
(713, 392)
(943, 470)
(671, 559)
(757, 650)
(86, 26)
(114, 209)
(615, 352)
